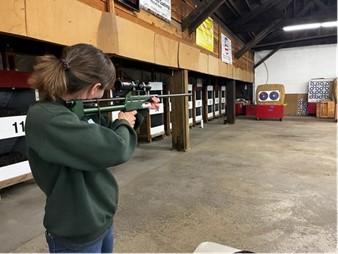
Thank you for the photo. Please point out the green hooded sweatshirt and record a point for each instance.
(69, 160)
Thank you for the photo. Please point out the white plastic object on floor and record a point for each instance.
(214, 247)
(202, 124)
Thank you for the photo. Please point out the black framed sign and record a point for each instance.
(132, 4)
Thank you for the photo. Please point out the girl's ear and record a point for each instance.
(95, 90)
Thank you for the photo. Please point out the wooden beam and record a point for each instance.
(319, 17)
(321, 5)
(246, 17)
(110, 6)
(233, 7)
(199, 14)
(267, 56)
(299, 15)
(221, 22)
(230, 100)
(248, 5)
(296, 40)
(180, 111)
(259, 37)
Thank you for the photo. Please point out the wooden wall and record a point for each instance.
(118, 30)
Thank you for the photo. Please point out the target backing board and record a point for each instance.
(272, 94)
(319, 90)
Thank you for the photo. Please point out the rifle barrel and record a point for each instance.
(173, 95)
(141, 97)
(102, 100)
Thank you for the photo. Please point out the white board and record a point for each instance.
(12, 126)
(14, 170)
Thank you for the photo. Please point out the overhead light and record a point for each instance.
(310, 26)
(330, 24)
(301, 27)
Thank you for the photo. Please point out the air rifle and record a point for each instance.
(129, 102)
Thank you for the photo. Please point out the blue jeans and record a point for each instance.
(104, 244)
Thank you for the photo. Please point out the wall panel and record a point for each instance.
(166, 51)
(12, 13)
(69, 22)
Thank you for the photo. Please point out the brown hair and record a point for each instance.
(81, 65)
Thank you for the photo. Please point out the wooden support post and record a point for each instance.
(110, 6)
(230, 99)
(180, 111)
(199, 14)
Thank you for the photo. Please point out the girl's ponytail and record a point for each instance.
(81, 66)
(49, 78)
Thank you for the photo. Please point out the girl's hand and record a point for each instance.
(154, 103)
(128, 116)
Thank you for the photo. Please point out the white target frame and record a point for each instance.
(223, 99)
(155, 131)
(210, 102)
(198, 105)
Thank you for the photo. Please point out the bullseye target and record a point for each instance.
(274, 95)
(265, 96)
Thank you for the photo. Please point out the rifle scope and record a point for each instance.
(131, 86)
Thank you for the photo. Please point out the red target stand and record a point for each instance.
(269, 111)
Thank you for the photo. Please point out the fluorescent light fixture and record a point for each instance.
(330, 24)
(310, 26)
(301, 27)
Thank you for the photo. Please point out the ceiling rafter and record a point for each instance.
(306, 38)
(248, 5)
(321, 5)
(199, 14)
(235, 7)
(265, 32)
(319, 16)
(248, 16)
(302, 12)
(259, 37)
(272, 52)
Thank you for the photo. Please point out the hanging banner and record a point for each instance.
(161, 8)
(226, 49)
(205, 34)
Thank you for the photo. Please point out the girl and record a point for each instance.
(69, 157)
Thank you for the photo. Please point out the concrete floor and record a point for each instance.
(264, 186)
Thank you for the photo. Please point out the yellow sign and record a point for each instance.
(205, 34)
